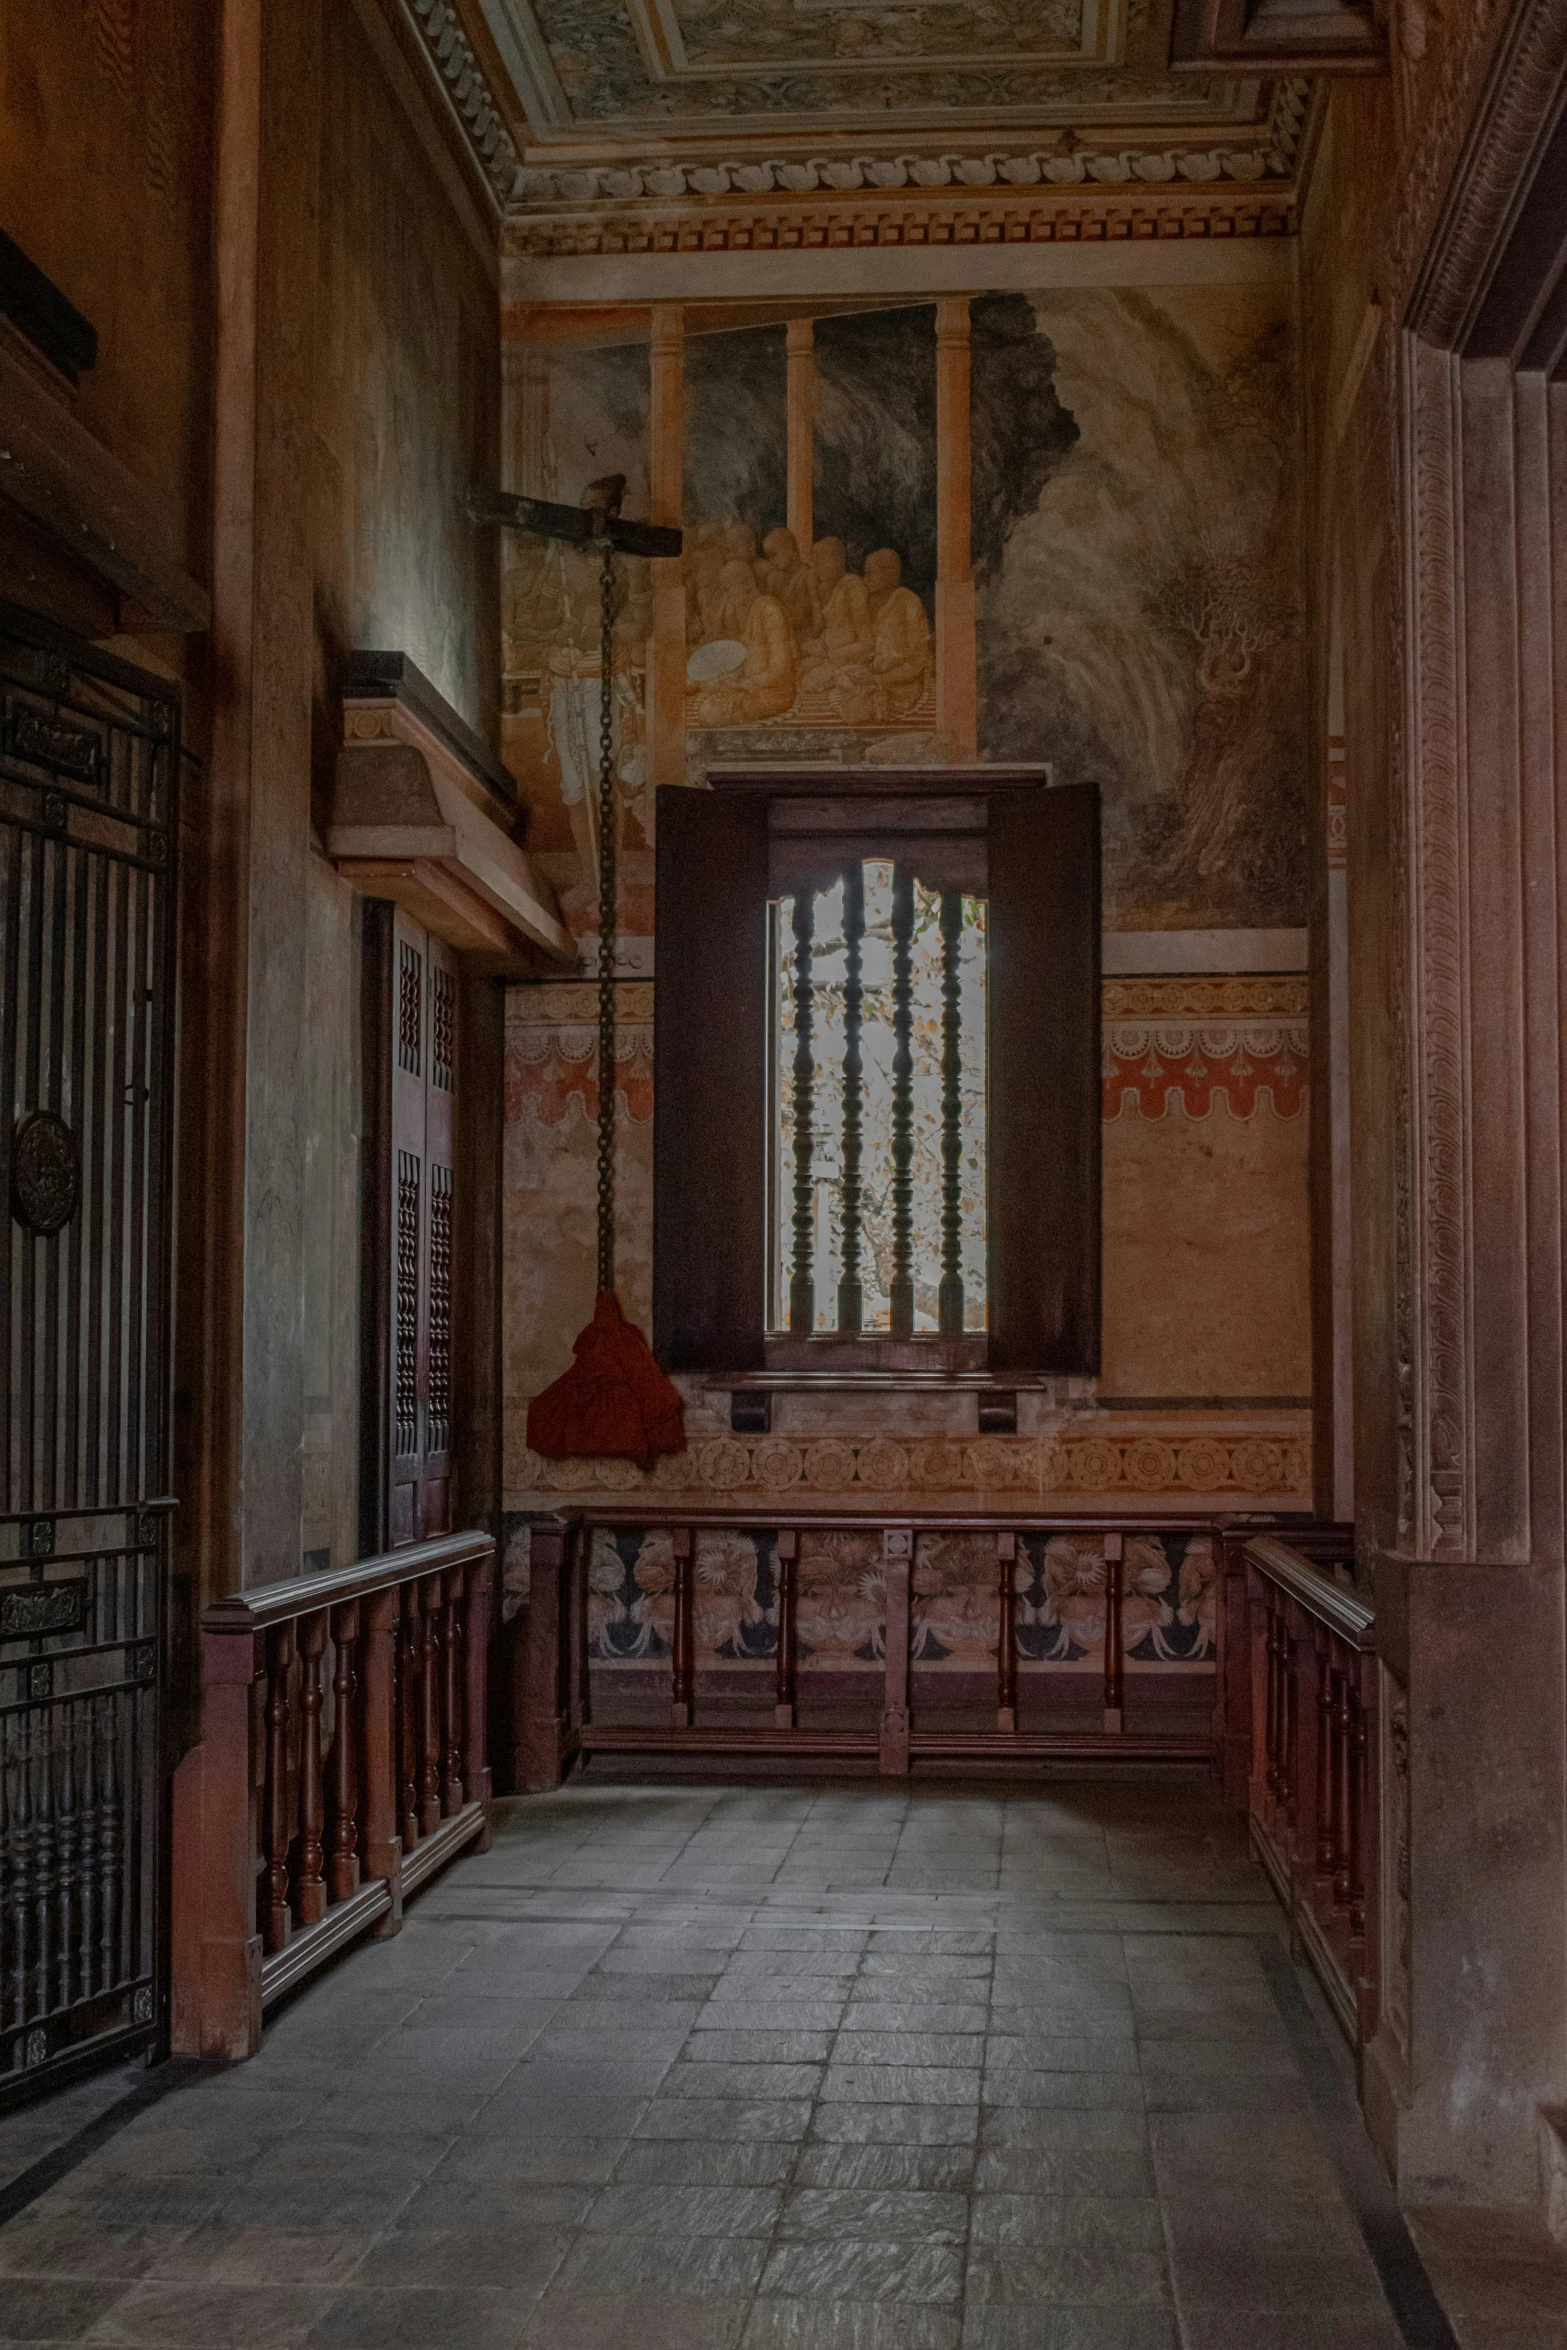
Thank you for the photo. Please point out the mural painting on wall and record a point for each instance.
(1167, 1609)
(1133, 525)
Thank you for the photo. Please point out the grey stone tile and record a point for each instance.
(1255, 2329)
(227, 2253)
(1061, 2052)
(515, 2260)
(927, 2169)
(865, 2016)
(724, 2117)
(640, 2320)
(753, 2081)
(1092, 2092)
(941, 2049)
(896, 2125)
(687, 2162)
(838, 2269)
(746, 2047)
(1236, 2225)
(1046, 2129)
(1029, 2221)
(1202, 2153)
(209, 2317)
(1008, 2326)
(514, 2114)
(611, 2265)
(541, 2160)
(874, 2213)
(793, 2323)
(816, 2014)
(1075, 2170)
(421, 2318)
(899, 2084)
(584, 2012)
(1247, 2278)
(1070, 2274)
(53, 2240)
(647, 2210)
(57, 2309)
(489, 2202)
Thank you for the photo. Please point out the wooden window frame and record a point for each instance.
(1033, 848)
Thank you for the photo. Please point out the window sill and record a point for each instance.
(876, 1356)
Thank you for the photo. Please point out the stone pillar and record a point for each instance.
(802, 430)
(248, 1400)
(666, 653)
(956, 692)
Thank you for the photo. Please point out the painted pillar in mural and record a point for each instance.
(802, 425)
(956, 700)
(666, 668)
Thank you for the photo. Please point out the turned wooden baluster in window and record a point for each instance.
(950, 1296)
(901, 1290)
(802, 1285)
(851, 1295)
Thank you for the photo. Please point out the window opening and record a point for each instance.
(878, 1086)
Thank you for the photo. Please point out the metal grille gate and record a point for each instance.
(89, 752)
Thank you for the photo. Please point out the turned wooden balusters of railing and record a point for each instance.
(1313, 1797)
(342, 1759)
(786, 1585)
(682, 1642)
(1006, 1633)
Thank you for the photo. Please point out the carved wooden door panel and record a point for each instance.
(423, 1060)
(89, 759)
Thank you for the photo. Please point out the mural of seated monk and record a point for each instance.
(903, 662)
(784, 573)
(847, 641)
(768, 679)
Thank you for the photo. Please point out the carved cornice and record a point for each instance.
(1493, 96)
(454, 58)
(691, 228)
(1267, 152)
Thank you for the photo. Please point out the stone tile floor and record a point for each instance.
(765, 2068)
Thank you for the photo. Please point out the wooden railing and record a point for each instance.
(342, 1761)
(1312, 1794)
(552, 1706)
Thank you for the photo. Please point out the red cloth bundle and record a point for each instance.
(614, 1402)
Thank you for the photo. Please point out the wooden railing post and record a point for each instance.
(430, 1706)
(343, 1865)
(478, 1619)
(897, 1569)
(410, 1705)
(381, 1845)
(310, 1877)
(681, 1644)
(1006, 1633)
(452, 1662)
(277, 1820)
(216, 2003)
(785, 1574)
(1115, 1658)
(538, 1712)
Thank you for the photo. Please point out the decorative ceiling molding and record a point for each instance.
(1257, 151)
(1259, 210)
(452, 54)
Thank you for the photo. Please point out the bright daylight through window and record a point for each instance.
(878, 1216)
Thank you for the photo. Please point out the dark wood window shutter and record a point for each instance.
(710, 1080)
(1043, 1080)
(410, 1086)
